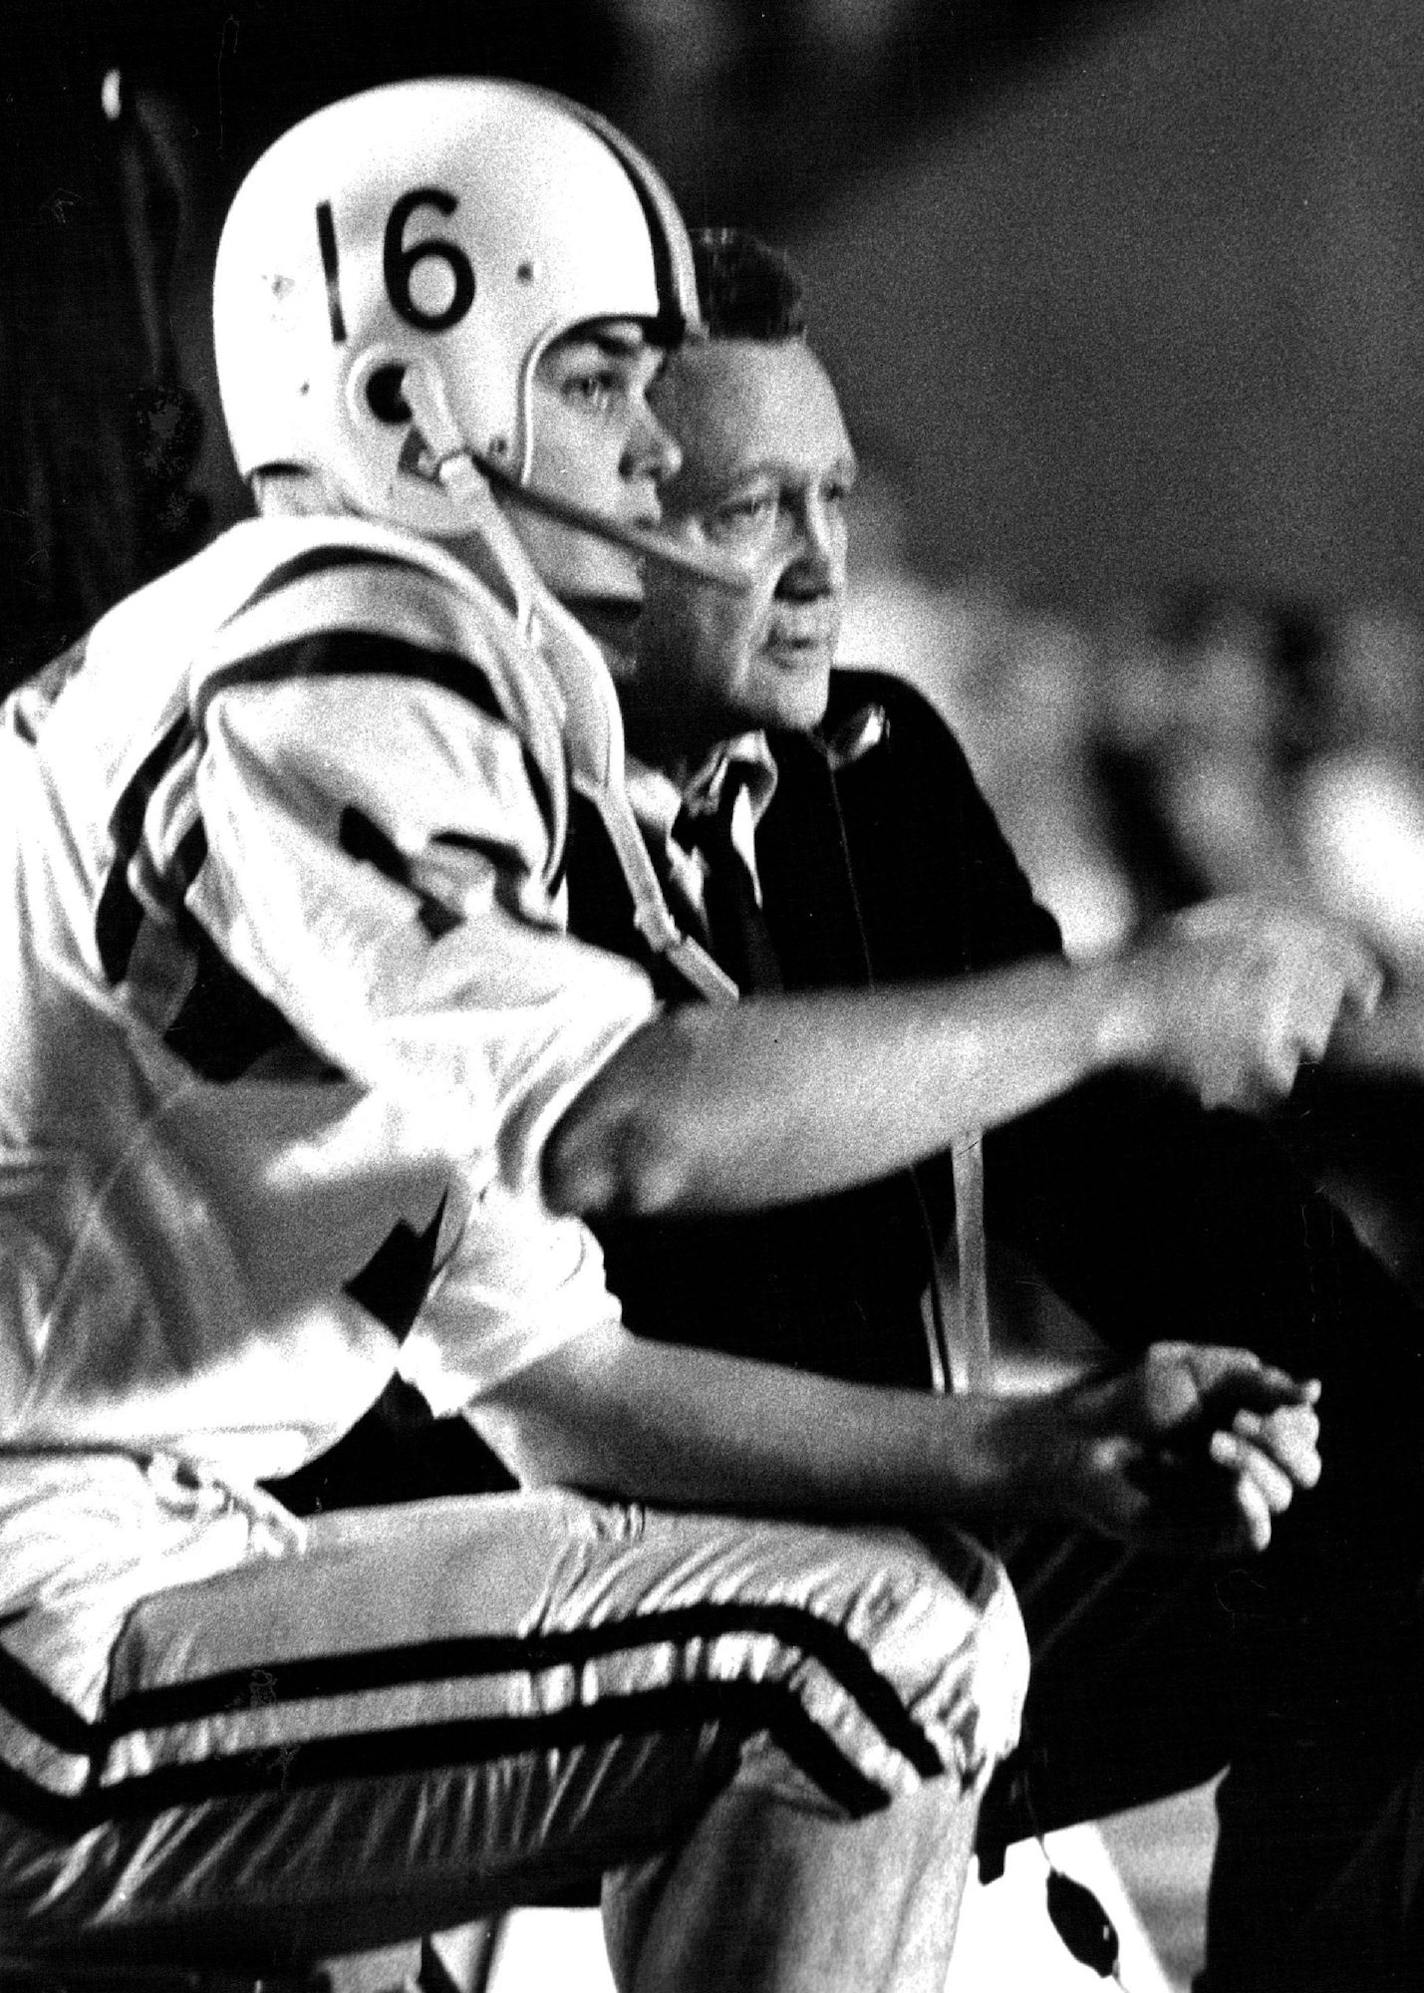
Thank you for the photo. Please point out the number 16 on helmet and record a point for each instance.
(456, 227)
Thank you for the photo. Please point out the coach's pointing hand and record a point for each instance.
(1230, 996)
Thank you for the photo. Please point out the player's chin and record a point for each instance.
(590, 572)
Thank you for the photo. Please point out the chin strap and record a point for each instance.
(598, 771)
(593, 723)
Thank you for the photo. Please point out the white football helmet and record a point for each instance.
(457, 226)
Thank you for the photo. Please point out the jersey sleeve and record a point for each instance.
(381, 865)
(378, 851)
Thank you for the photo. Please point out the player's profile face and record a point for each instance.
(595, 440)
(766, 473)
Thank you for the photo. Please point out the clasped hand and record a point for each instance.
(1190, 1448)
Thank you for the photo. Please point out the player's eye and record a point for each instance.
(593, 388)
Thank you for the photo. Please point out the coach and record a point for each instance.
(823, 831)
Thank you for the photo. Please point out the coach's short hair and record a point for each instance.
(747, 289)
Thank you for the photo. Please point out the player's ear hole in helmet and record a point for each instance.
(457, 226)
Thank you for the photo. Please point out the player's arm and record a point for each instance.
(783, 1098)
(1195, 1448)
(378, 866)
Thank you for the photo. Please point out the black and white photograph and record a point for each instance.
(711, 996)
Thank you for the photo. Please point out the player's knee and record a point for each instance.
(925, 1674)
(955, 1646)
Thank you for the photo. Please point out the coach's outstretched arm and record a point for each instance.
(766, 1102)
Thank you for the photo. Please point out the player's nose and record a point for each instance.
(651, 451)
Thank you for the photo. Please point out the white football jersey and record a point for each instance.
(289, 1010)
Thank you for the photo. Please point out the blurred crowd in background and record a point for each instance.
(1153, 755)
(1166, 751)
